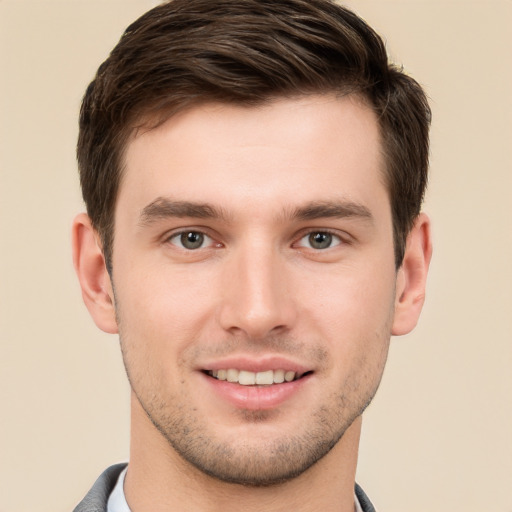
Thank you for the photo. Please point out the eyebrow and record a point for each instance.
(332, 209)
(163, 208)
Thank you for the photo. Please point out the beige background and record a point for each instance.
(439, 435)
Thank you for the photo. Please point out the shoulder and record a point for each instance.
(364, 501)
(97, 498)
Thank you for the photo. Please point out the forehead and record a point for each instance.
(284, 152)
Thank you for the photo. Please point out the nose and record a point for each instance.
(257, 300)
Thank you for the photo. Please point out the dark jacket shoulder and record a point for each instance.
(97, 498)
(364, 501)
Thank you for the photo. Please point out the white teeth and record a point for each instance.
(246, 378)
(289, 376)
(265, 377)
(232, 375)
(279, 376)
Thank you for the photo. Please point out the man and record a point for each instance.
(253, 173)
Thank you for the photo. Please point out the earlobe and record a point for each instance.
(412, 277)
(92, 273)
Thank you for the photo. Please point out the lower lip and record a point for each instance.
(255, 398)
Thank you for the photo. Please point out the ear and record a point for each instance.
(412, 277)
(92, 273)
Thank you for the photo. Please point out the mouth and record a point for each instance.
(261, 378)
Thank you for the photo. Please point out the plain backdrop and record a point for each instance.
(438, 436)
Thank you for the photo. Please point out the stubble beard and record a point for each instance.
(244, 462)
(276, 462)
(252, 462)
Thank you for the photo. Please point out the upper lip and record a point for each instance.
(256, 364)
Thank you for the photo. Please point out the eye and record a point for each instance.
(190, 240)
(319, 240)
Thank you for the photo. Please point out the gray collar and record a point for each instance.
(96, 499)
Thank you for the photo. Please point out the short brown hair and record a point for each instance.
(248, 52)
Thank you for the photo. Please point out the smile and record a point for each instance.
(247, 378)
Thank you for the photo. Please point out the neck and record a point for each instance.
(158, 479)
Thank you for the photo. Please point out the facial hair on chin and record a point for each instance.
(245, 462)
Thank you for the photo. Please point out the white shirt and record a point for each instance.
(117, 499)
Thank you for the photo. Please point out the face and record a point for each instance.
(254, 281)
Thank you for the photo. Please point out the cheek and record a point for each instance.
(159, 313)
(353, 316)
(351, 298)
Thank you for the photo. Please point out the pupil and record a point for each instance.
(320, 240)
(192, 240)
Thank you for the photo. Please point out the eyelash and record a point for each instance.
(180, 234)
(333, 236)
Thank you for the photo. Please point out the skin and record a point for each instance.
(257, 287)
